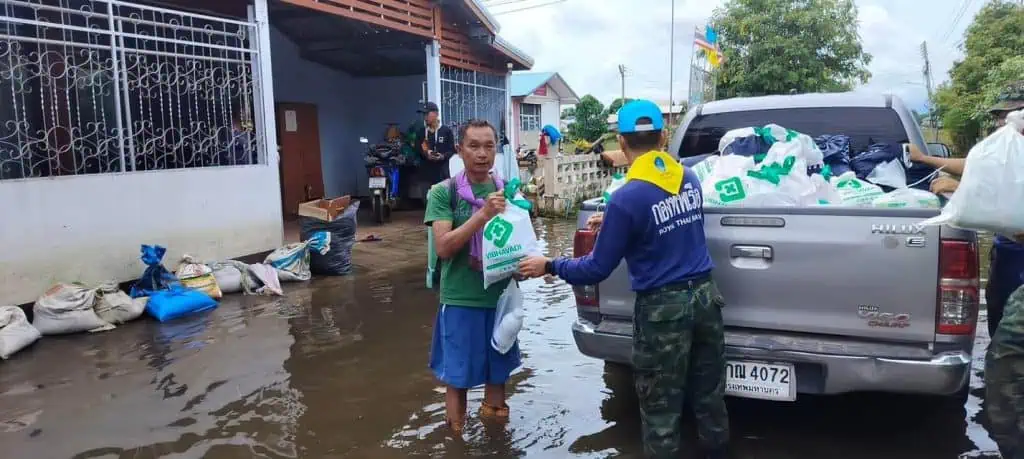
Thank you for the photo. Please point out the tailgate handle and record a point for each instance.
(751, 251)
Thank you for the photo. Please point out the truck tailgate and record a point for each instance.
(837, 271)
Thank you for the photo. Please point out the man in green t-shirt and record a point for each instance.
(461, 355)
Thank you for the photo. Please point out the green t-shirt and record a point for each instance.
(461, 285)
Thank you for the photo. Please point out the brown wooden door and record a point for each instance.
(302, 177)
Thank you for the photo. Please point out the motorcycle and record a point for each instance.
(382, 167)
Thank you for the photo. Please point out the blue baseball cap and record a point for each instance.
(636, 110)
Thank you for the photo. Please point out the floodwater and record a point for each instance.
(337, 369)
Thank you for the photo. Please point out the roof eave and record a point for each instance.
(480, 11)
(514, 53)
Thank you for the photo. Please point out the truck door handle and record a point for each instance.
(751, 251)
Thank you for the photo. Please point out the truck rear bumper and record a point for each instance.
(817, 373)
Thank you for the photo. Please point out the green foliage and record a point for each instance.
(776, 46)
(993, 49)
(591, 121)
(616, 104)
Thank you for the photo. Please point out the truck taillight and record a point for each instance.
(586, 295)
(957, 309)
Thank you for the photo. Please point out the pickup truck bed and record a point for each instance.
(841, 299)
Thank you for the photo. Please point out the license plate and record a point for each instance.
(378, 182)
(763, 381)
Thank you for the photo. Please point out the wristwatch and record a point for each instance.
(549, 268)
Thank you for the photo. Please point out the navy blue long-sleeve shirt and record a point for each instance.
(660, 235)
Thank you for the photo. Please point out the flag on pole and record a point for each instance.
(702, 41)
(708, 41)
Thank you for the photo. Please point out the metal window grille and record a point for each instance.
(466, 95)
(102, 86)
(529, 117)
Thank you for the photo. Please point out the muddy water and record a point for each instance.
(338, 370)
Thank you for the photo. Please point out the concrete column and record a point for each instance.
(433, 54)
(513, 135)
(263, 78)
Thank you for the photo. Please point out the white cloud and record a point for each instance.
(586, 40)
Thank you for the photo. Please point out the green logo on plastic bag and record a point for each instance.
(849, 184)
(498, 231)
(730, 190)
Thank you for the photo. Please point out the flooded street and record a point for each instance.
(337, 369)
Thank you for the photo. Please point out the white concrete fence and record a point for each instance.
(568, 179)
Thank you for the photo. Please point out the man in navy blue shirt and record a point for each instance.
(656, 223)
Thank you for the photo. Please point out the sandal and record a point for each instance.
(500, 412)
(455, 426)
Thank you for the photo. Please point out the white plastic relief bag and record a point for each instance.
(15, 331)
(706, 168)
(617, 181)
(508, 319)
(908, 198)
(854, 191)
(507, 238)
(991, 191)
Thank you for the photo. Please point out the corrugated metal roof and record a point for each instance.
(523, 84)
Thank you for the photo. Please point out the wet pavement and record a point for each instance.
(337, 369)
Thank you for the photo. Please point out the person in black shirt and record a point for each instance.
(434, 144)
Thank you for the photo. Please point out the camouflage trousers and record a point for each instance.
(679, 355)
(1004, 379)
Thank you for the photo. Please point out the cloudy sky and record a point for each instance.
(586, 40)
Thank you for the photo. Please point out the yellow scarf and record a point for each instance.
(657, 168)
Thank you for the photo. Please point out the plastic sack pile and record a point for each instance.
(772, 166)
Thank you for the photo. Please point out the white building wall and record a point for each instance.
(550, 113)
(88, 228)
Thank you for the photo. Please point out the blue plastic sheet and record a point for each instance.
(178, 302)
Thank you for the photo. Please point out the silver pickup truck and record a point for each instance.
(821, 300)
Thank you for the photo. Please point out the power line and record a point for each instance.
(956, 21)
(492, 3)
(555, 2)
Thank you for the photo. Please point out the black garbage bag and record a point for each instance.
(836, 149)
(338, 260)
(876, 154)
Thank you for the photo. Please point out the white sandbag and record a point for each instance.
(508, 319)
(508, 238)
(15, 331)
(854, 191)
(117, 307)
(268, 277)
(991, 190)
(67, 308)
(890, 173)
(292, 260)
(824, 193)
(196, 275)
(228, 276)
(908, 198)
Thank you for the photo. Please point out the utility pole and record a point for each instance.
(622, 76)
(671, 63)
(927, 73)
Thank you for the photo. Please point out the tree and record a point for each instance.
(590, 120)
(617, 104)
(993, 48)
(777, 46)
(568, 112)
